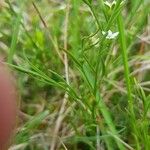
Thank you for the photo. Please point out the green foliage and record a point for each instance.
(106, 103)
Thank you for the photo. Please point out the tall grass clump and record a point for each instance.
(82, 68)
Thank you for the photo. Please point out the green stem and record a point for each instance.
(125, 62)
(96, 18)
(107, 118)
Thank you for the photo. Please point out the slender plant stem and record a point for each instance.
(107, 117)
(125, 62)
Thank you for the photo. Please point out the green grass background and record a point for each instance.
(79, 90)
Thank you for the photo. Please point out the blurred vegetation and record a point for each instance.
(79, 87)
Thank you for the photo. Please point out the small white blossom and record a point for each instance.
(110, 35)
(110, 4)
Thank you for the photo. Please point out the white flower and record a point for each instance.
(110, 35)
(110, 4)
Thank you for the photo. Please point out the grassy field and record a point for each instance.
(82, 69)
